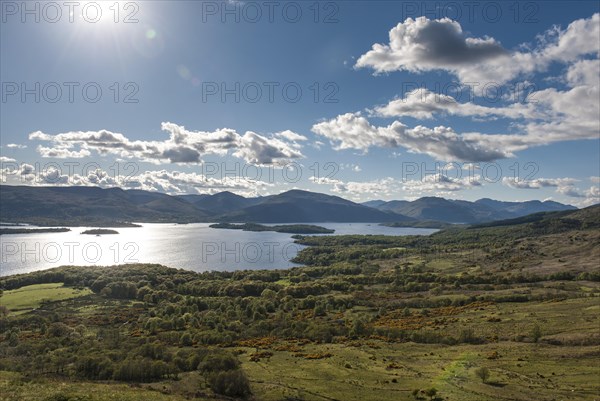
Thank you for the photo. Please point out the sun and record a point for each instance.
(105, 13)
(121, 28)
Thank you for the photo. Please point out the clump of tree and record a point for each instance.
(232, 383)
(431, 393)
(223, 373)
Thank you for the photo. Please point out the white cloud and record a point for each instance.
(317, 144)
(15, 146)
(538, 183)
(588, 197)
(171, 182)
(176, 182)
(257, 149)
(584, 72)
(353, 131)
(291, 136)
(564, 186)
(380, 188)
(424, 45)
(4, 159)
(62, 153)
(183, 146)
(551, 116)
(424, 104)
(435, 184)
(350, 166)
(438, 183)
(571, 114)
(17, 174)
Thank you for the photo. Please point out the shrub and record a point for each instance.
(219, 362)
(431, 392)
(232, 383)
(483, 373)
(536, 333)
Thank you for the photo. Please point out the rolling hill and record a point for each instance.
(97, 206)
(302, 206)
(85, 205)
(221, 203)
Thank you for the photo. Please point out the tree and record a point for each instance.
(186, 339)
(233, 383)
(536, 333)
(483, 373)
(13, 337)
(3, 311)
(431, 392)
(268, 294)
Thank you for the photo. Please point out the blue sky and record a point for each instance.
(375, 120)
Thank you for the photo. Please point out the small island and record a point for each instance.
(289, 228)
(99, 231)
(32, 230)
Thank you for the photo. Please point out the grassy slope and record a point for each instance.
(14, 387)
(31, 297)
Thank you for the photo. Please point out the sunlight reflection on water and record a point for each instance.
(188, 246)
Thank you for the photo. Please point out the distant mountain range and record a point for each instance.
(97, 206)
(460, 211)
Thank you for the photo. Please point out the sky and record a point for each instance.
(360, 99)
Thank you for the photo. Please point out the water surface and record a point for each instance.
(188, 246)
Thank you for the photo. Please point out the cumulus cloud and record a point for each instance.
(257, 149)
(423, 104)
(291, 136)
(182, 146)
(584, 72)
(353, 131)
(16, 146)
(547, 115)
(552, 116)
(389, 187)
(177, 182)
(584, 198)
(564, 186)
(379, 188)
(23, 173)
(571, 114)
(592, 197)
(538, 183)
(62, 153)
(171, 182)
(438, 183)
(350, 166)
(4, 159)
(421, 44)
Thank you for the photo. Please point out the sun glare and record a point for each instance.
(117, 24)
(104, 14)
